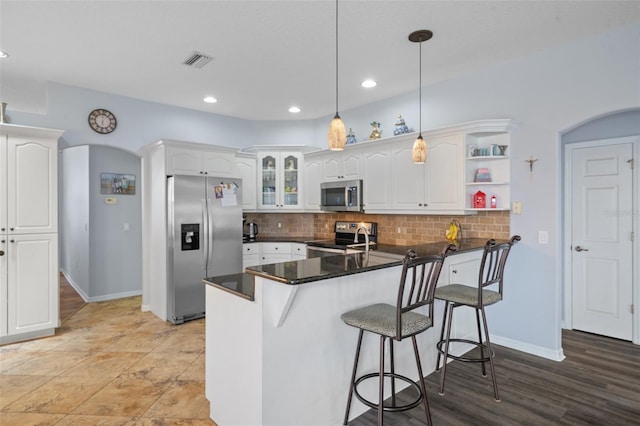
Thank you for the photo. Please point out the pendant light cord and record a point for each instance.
(337, 58)
(420, 89)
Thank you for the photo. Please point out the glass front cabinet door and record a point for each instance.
(279, 180)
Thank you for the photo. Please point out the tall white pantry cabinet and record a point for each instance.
(29, 286)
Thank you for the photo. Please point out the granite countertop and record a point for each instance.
(331, 265)
(239, 284)
(466, 245)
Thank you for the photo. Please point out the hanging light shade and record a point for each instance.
(337, 132)
(419, 152)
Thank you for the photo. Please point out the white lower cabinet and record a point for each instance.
(264, 253)
(29, 284)
(298, 251)
(462, 269)
(274, 253)
(250, 254)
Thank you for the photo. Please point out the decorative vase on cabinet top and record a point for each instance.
(401, 127)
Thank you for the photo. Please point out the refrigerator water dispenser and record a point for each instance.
(190, 236)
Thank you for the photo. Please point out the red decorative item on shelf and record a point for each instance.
(479, 200)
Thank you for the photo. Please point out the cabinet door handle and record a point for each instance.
(1, 253)
(455, 271)
(11, 229)
(12, 241)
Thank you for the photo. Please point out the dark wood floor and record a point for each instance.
(70, 300)
(597, 384)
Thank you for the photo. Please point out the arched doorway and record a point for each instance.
(101, 237)
(601, 281)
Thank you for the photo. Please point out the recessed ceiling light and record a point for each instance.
(294, 109)
(210, 100)
(3, 54)
(368, 84)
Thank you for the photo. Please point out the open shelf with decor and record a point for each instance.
(487, 170)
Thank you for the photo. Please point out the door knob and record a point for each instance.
(578, 248)
(1, 253)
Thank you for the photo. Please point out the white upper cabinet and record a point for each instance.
(29, 195)
(342, 166)
(376, 178)
(279, 180)
(200, 161)
(444, 173)
(245, 169)
(313, 176)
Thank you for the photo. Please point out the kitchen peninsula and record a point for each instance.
(280, 355)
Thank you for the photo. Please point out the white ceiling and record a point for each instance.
(269, 55)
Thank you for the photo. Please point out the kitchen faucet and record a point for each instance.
(366, 238)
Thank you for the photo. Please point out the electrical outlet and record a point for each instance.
(279, 224)
(543, 237)
(399, 230)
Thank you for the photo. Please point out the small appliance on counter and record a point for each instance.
(251, 231)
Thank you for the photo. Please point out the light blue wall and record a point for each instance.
(115, 252)
(141, 122)
(73, 238)
(546, 93)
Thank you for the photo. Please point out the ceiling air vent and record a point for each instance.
(197, 60)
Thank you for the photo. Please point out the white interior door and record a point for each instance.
(601, 239)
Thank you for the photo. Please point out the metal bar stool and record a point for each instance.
(417, 285)
(491, 272)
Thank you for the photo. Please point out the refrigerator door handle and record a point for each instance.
(205, 231)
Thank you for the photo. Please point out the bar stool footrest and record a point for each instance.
(464, 358)
(405, 407)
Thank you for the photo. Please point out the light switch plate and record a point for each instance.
(111, 200)
(516, 207)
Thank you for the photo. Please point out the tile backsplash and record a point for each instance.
(392, 229)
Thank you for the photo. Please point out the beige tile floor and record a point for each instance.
(109, 364)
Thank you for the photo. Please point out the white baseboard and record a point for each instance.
(554, 355)
(145, 308)
(103, 298)
(75, 286)
(115, 296)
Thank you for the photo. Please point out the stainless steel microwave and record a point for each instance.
(341, 196)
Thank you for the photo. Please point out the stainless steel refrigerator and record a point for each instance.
(204, 232)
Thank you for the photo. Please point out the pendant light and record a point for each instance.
(419, 152)
(337, 132)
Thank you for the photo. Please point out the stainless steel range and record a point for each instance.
(349, 238)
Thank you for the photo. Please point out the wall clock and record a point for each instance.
(102, 121)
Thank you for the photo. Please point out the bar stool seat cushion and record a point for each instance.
(466, 295)
(381, 319)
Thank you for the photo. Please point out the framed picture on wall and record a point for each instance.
(116, 183)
